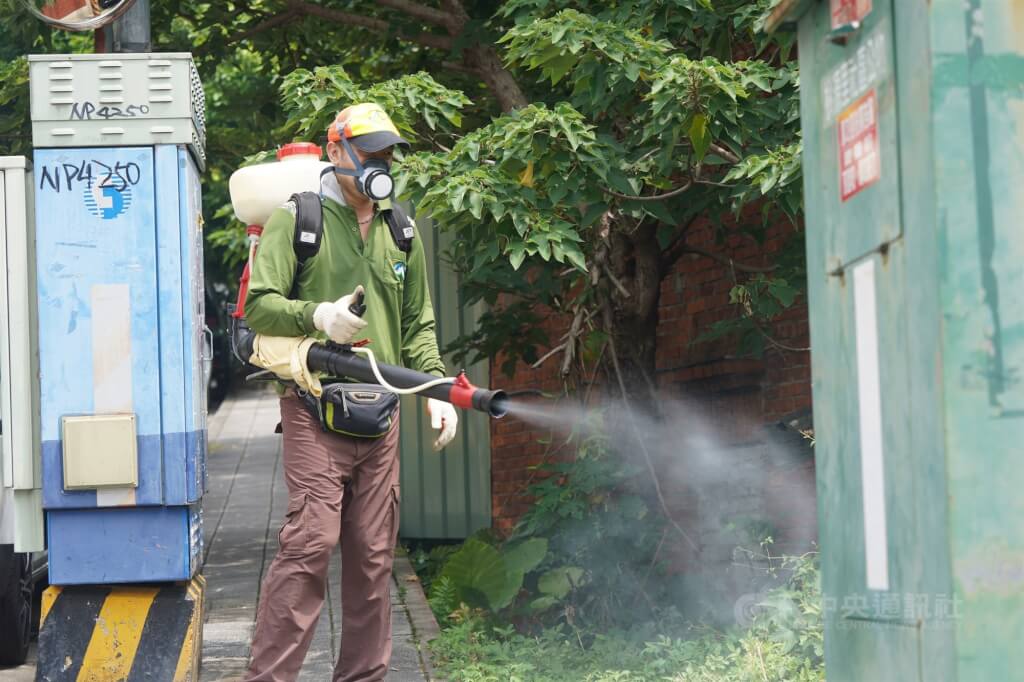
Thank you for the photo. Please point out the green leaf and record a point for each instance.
(458, 196)
(501, 598)
(699, 136)
(479, 575)
(526, 556)
(558, 67)
(781, 290)
(593, 212)
(521, 223)
(517, 258)
(760, 81)
(476, 205)
(543, 248)
(619, 182)
(543, 603)
(666, 234)
(770, 180)
(570, 133)
(660, 210)
(576, 257)
(558, 582)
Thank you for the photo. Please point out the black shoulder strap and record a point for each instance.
(309, 231)
(400, 226)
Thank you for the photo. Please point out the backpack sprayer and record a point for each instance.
(256, 191)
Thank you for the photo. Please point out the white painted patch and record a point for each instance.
(112, 366)
(111, 348)
(869, 398)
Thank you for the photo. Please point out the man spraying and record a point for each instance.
(341, 459)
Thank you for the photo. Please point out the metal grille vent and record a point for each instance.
(198, 100)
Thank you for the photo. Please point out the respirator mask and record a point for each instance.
(373, 177)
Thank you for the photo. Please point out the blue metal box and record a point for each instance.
(121, 324)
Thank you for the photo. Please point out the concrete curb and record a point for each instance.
(424, 625)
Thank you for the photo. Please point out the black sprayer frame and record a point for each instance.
(339, 361)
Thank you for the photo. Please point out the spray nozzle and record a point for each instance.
(467, 396)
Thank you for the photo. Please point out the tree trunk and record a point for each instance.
(500, 81)
(634, 260)
(484, 58)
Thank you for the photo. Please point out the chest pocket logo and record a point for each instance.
(399, 268)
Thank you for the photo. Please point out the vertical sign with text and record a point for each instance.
(860, 159)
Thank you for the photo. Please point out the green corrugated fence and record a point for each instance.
(446, 494)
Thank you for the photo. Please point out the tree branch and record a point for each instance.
(636, 429)
(574, 332)
(428, 40)
(675, 248)
(276, 20)
(569, 338)
(378, 25)
(485, 58)
(458, 12)
(554, 351)
(724, 153)
(338, 16)
(499, 79)
(614, 280)
(655, 197)
(481, 60)
(773, 341)
(462, 68)
(725, 260)
(421, 12)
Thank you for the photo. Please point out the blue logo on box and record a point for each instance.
(107, 202)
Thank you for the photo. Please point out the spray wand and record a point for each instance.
(359, 362)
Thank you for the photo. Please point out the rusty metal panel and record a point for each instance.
(447, 494)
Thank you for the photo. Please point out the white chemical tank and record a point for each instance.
(257, 190)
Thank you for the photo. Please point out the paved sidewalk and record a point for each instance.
(243, 511)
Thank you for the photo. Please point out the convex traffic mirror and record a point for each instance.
(78, 15)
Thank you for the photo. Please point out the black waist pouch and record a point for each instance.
(358, 410)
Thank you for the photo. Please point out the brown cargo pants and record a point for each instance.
(339, 489)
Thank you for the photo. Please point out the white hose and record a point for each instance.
(394, 389)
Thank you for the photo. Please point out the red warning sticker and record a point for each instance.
(860, 160)
(848, 11)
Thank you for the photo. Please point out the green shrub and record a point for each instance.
(783, 643)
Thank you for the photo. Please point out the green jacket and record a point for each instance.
(399, 316)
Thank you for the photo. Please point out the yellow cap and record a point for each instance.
(366, 126)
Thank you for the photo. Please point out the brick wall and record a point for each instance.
(515, 448)
(738, 395)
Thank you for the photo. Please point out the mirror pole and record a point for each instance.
(131, 32)
(99, 40)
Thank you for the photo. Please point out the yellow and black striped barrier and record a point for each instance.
(115, 633)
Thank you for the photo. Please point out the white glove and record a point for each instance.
(444, 417)
(337, 320)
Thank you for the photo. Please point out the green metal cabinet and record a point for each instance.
(445, 495)
(913, 123)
